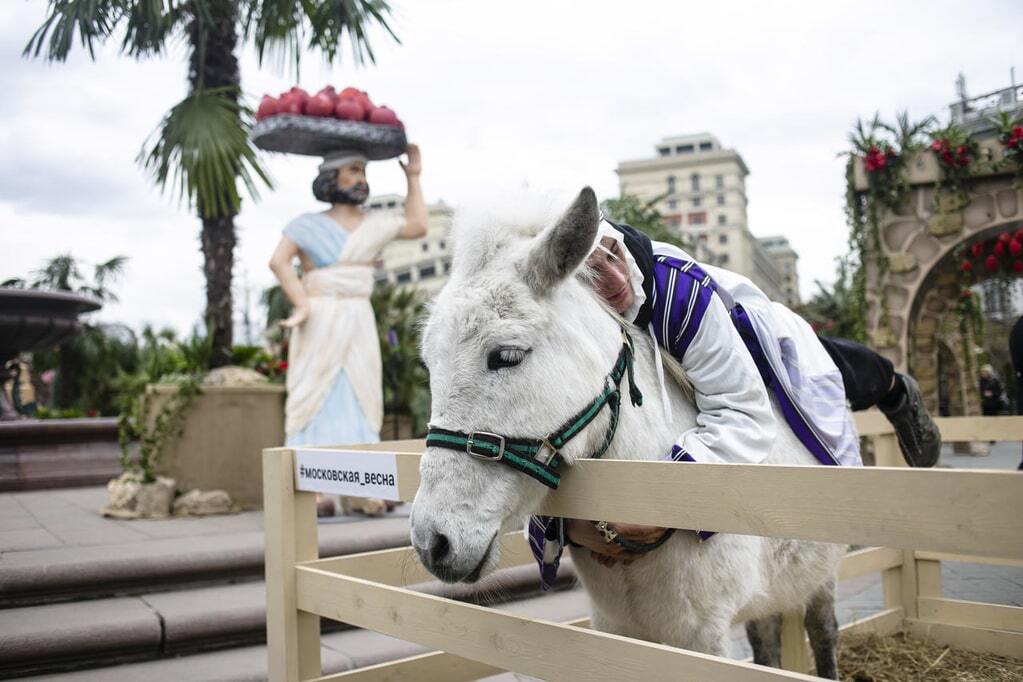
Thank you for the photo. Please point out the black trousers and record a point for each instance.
(867, 375)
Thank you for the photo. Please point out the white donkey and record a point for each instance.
(518, 346)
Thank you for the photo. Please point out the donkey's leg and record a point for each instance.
(765, 638)
(707, 636)
(822, 630)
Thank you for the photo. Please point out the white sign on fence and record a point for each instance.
(354, 473)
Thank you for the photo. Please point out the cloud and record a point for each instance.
(552, 93)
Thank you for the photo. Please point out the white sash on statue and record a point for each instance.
(340, 333)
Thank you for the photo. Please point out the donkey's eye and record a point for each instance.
(505, 357)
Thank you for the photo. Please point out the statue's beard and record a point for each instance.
(356, 194)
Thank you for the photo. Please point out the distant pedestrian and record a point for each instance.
(1016, 353)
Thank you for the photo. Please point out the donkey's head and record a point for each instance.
(516, 346)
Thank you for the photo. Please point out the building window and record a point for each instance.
(426, 247)
(697, 218)
(719, 181)
(696, 182)
(664, 151)
(447, 267)
(380, 278)
(443, 245)
(392, 204)
(684, 149)
(721, 200)
(403, 276)
(671, 184)
(705, 146)
(673, 221)
(696, 202)
(723, 259)
(722, 220)
(722, 239)
(672, 204)
(427, 271)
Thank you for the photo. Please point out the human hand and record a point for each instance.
(609, 553)
(415, 161)
(298, 316)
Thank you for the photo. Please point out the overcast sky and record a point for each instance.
(554, 93)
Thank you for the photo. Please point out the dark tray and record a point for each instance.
(316, 136)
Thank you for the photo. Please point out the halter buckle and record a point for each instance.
(469, 442)
(541, 456)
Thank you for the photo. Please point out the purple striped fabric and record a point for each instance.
(799, 424)
(686, 291)
(538, 526)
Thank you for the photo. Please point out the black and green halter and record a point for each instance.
(541, 457)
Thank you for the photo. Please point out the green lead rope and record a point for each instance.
(540, 458)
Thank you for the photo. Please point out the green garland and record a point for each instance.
(168, 423)
(885, 151)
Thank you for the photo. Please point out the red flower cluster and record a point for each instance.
(1005, 245)
(1013, 140)
(877, 159)
(958, 157)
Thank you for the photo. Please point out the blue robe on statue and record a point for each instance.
(338, 342)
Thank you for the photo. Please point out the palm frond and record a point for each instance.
(283, 27)
(60, 273)
(202, 149)
(909, 136)
(150, 24)
(14, 283)
(109, 271)
(92, 20)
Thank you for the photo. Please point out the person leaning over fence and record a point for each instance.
(738, 349)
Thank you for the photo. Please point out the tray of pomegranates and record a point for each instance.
(316, 125)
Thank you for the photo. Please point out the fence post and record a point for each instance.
(900, 584)
(289, 520)
(794, 654)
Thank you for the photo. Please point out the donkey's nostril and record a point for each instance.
(439, 547)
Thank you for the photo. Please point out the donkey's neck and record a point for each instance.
(644, 432)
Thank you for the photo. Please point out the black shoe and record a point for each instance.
(917, 433)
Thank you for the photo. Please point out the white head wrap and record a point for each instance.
(605, 229)
(341, 158)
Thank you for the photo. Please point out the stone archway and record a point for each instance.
(921, 285)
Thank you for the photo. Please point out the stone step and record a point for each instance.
(220, 550)
(64, 636)
(343, 650)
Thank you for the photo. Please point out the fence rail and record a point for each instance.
(918, 518)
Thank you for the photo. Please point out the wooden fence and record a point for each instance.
(911, 519)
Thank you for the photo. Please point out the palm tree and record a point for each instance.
(201, 149)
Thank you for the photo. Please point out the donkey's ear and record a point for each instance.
(561, 248)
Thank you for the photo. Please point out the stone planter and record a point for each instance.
(224, 434)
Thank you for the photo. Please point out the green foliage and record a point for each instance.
(832, 312)
(406, 382)
(1010, 134)
(284, 28)
(277, 305)
(201, 148)
(956, 152)
(884, 150)
(642, 215)
(64, 273)
(165, 360)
